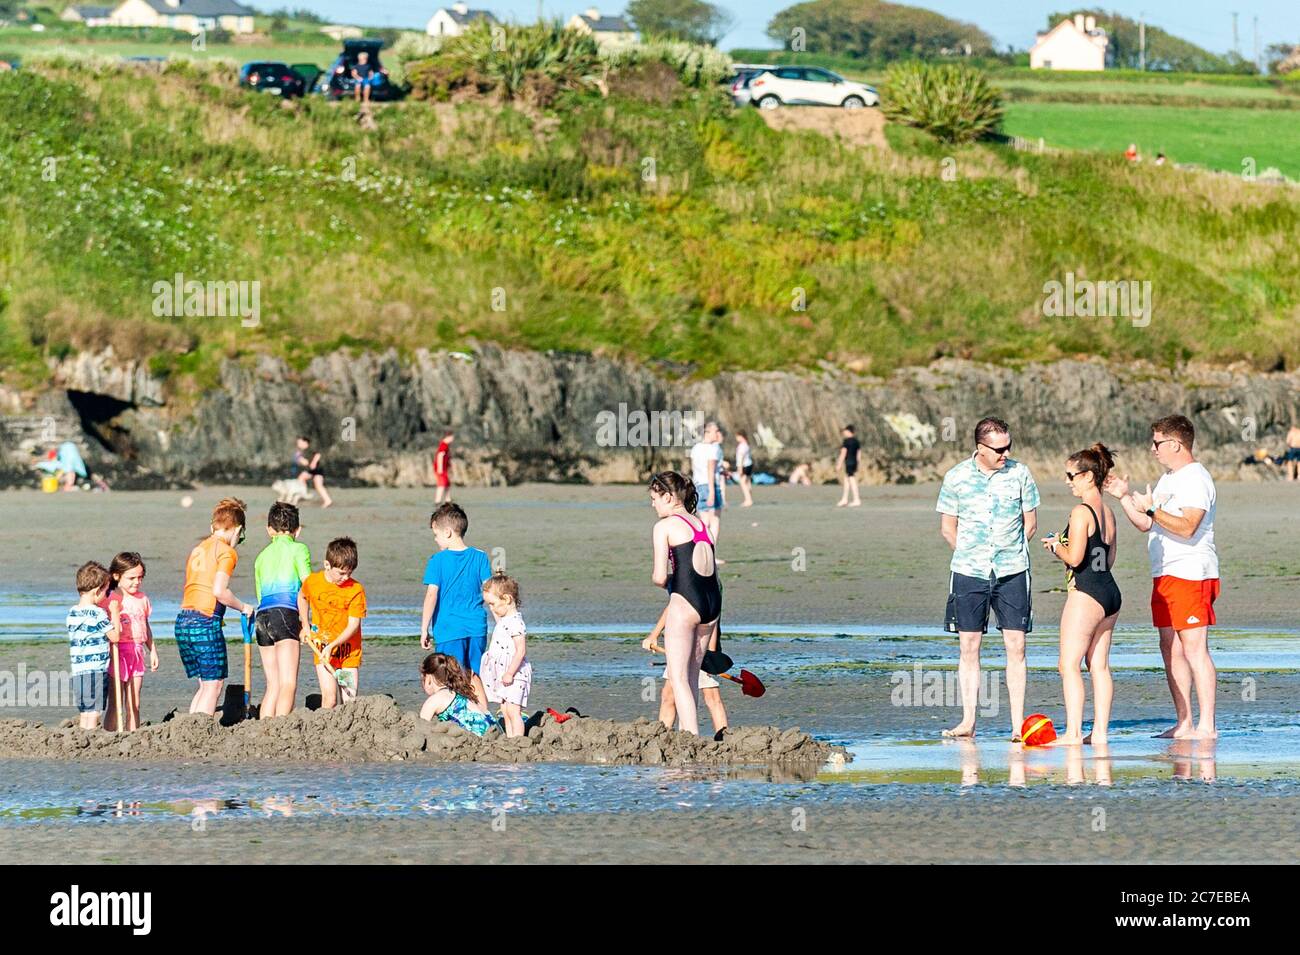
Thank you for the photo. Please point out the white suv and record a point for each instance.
(809, 86)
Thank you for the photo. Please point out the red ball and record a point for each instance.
(1037, 730)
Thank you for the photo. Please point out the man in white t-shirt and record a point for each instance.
(706, 472)
(1178, 519)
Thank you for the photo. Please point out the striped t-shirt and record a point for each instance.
(88, 629)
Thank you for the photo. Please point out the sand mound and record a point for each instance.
(374, 729)
(855, 127)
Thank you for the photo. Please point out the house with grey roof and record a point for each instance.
(609, 32)
(452, 21)
(90, 16)
(191, 16)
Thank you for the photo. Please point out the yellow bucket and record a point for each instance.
(49, 484)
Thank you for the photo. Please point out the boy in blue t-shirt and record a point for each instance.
(454, 618)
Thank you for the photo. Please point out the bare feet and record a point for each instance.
(960, 731)
(1095, 738)
(842, 504)
(856, 504)
(1210, 733)
(1181, 731)
(1015, 738)
(1073, 740)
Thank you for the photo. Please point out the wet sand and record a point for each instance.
(582, 557)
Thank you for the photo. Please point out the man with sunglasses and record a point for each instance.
(989, 511)
(1178, 519)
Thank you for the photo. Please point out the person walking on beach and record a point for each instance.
(684, 564)
(706, 470)
(1178, 519)
(1087, 547)
(848, 466)
(1291, 458)
(744, 468)
(309, 464)
(989, 507)
(442, 468)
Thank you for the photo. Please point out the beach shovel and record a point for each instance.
(750, 685)
(117, 686)
(246, 625)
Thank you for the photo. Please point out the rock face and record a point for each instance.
(523, 416)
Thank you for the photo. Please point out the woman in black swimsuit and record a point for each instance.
(684, 564)
(1087, 548)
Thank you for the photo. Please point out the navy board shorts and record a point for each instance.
(91, 691)
(971, 598)
(467, 651)
(202, 645)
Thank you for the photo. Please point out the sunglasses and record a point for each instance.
(1155, 445)
(241, 537)
(1001, 450)
(1071, 475)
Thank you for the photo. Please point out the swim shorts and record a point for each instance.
(202, 645)
(970, 599)
(467, 651)
(90, 691)
(706, 682)
(275, 624)
(1183, 604)
(851, 466)
(702, 498)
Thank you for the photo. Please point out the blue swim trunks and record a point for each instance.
(468, 651)
(202, 645)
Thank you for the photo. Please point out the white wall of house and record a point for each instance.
(1070, 45)
(134, 13)
(137, 13)
(441, 24)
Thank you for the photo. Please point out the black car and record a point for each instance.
(269, 76)
(339, 82)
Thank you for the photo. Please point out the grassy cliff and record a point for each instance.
(678, 230)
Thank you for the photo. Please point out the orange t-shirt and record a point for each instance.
(331, 606)
(201, 571)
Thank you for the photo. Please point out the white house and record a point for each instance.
(90, 16)
(1070, 45)
(611, 32)
(452, 21)
(188, 15)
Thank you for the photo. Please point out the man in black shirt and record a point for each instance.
(848, 463)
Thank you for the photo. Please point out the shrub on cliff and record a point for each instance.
(954, 104)
(511, 61)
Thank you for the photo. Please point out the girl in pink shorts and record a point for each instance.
(129, 609)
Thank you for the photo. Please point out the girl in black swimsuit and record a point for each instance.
(1093, 602)
(684, 563)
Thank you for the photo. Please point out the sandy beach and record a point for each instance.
(836, 644)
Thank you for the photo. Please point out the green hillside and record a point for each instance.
(678, 230)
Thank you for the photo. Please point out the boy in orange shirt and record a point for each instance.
(207, 594)
(332, 604)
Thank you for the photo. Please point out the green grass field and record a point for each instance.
(1212, 137)
(322, 53)
(401, 236)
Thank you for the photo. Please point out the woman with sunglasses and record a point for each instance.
(1087, 547)
(207, 594)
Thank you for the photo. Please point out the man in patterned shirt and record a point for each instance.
(988, 506)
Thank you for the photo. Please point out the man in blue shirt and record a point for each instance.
(988, 506)
(454, 618)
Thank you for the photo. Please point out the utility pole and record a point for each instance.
(1142, 41)
(1236, 47)
(1255, 24)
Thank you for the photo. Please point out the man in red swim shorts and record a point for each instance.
(1178, 519)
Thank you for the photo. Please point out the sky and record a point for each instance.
(1207, 23)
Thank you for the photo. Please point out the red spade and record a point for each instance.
(750, 685)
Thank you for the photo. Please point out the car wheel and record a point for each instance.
(769, 102)
(853, 102)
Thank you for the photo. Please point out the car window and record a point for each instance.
(790, 73)
(822, 76)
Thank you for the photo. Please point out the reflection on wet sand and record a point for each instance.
(1198, 753)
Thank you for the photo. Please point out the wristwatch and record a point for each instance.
(1151, 512)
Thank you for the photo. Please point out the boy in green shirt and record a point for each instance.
(279, 571)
